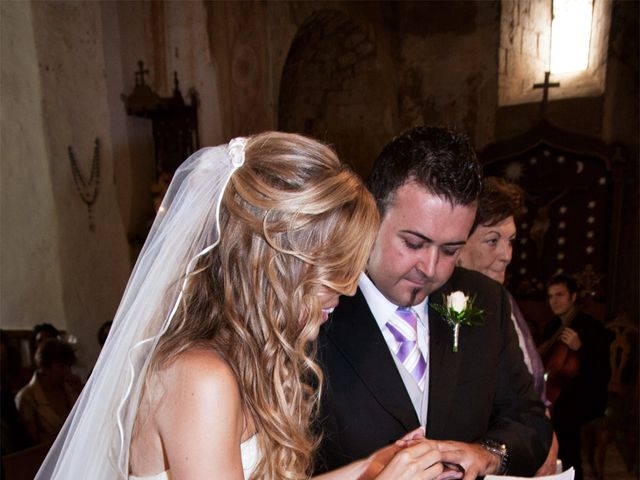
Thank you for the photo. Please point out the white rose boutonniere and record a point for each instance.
(457, 301)
(457, 309)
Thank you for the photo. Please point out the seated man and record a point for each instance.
(582, 398)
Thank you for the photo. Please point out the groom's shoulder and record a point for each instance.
(462, 277)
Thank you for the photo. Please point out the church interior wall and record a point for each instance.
(86, 268)
(167, 37)
(333, 86)
(621, 124)
(613, 117)
(189, 54)
(453, 53)
(93, 249)
(352, 73)
(31, 281)
(357, 75)
(239, 41)
(125, 43)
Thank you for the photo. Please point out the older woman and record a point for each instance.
(488, 250)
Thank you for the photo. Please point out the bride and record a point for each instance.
(209, 368)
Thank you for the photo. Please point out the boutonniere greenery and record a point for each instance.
(457, 310)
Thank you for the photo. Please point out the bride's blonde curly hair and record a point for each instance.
(293, 219)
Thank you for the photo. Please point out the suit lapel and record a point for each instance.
(355, 333)
(444, 367)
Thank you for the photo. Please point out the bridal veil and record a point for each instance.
(94, 442)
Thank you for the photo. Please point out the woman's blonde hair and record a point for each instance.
(293, 219)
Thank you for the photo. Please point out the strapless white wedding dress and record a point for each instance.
(250, 457)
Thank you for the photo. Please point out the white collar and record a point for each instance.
(381, 307)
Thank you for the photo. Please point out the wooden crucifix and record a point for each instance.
(546, 85)
(141, 73)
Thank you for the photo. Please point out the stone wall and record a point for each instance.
(357, 75)
(31, 284)
(334, 86)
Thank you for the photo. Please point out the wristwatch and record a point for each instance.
(499, 449)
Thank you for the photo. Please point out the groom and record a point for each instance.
(386, 353)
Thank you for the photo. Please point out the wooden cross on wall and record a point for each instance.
(141, 73)
(546, 85)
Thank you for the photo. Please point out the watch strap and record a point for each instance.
(500, 450)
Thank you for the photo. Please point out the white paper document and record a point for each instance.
(566, 475)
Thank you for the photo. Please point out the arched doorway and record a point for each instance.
(335, 87)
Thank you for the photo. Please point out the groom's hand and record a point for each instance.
(471, 457)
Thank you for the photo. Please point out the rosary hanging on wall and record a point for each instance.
(87, 189)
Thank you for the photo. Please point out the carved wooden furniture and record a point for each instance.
(174, 123)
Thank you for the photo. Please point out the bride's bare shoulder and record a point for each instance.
(200, 406)
(200, 373)
(200, 358)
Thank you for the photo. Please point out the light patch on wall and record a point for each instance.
(526, 49)
(570, 35)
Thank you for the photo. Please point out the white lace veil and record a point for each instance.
(94, 442)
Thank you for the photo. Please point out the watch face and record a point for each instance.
(493, 445)
(499, 449)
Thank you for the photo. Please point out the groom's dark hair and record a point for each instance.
(440, 160)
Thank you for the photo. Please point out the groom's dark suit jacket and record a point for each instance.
(482, 391)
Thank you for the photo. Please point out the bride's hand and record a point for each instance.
(406, 460)
(380, 458)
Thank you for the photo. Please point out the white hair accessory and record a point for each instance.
(236, 151)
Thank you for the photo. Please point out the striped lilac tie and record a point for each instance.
(403, 327)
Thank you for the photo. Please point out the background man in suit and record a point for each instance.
(480, 400)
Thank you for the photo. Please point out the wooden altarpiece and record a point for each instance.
(573, 199)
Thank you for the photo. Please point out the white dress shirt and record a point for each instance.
(382, 310)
